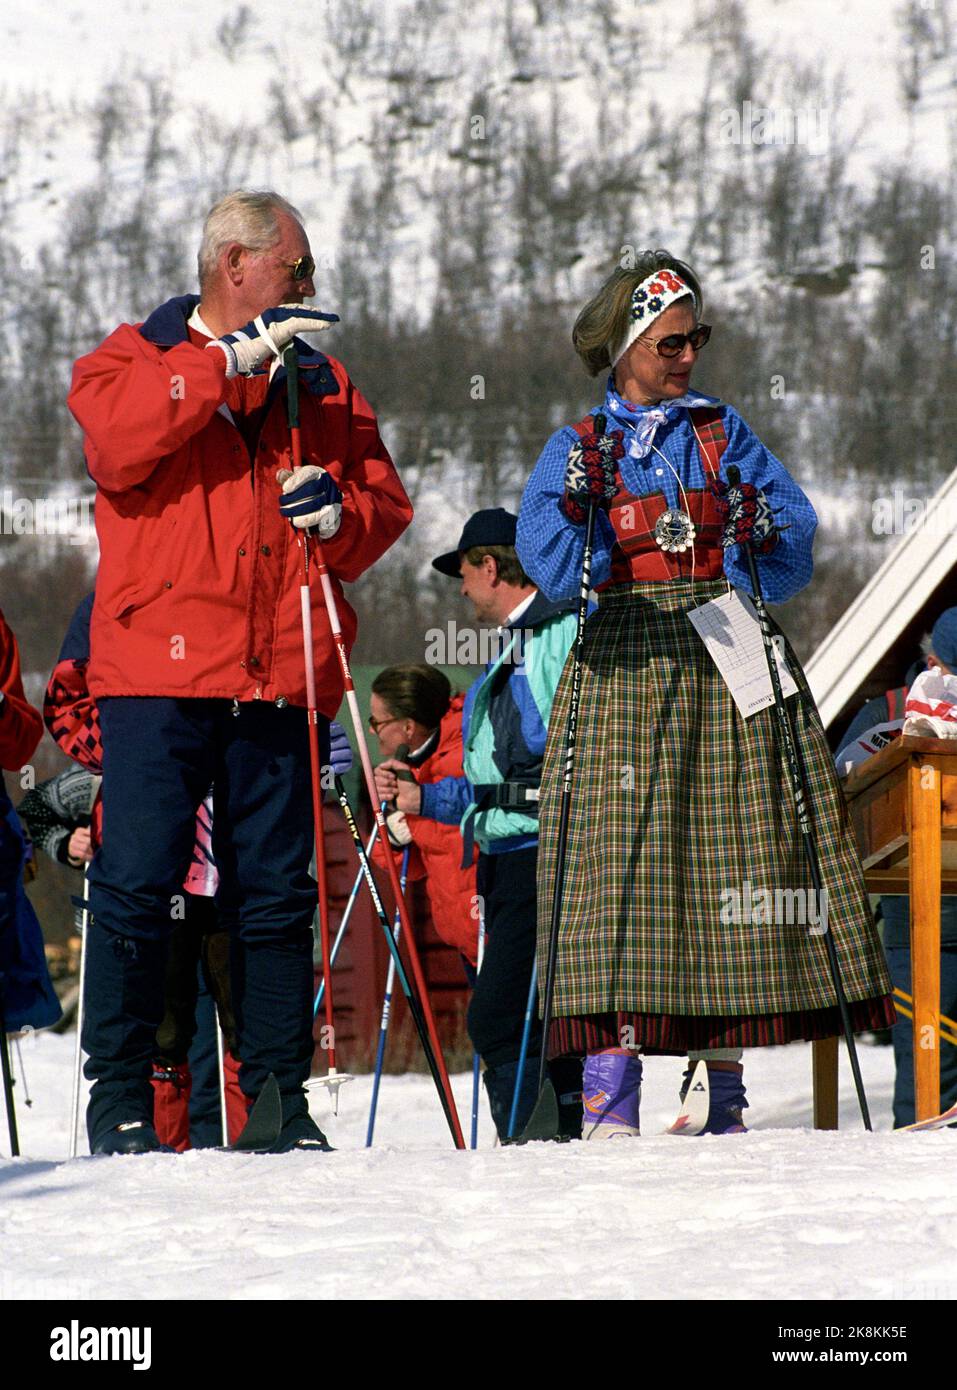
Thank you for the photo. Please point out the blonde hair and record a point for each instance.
(603, 321)
(246, 216)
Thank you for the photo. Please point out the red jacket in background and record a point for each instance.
(436, 849)
(197, 592)
(21, 726)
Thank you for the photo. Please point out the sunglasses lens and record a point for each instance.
(304, 268)
(672, 345)
(700, 336)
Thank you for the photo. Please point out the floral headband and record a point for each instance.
(649, 299)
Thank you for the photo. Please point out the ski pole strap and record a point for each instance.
(507, 796)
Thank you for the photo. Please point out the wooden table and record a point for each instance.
(903, 807)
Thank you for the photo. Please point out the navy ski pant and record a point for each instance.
(160, 757)
(496, 1015)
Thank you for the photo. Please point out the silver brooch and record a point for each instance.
(674, 531)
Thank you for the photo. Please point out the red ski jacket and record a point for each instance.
(21, 726)
(436, 849)
(197, 592)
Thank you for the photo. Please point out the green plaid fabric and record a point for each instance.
(677, 804)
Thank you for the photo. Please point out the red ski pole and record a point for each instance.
(333, 1079)
(332, 610)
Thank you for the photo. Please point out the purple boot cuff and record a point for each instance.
(611, 1092)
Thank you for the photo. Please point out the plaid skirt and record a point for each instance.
(687, 913)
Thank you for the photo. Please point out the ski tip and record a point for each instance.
(694, 1110)
(941, 1121)
(264, 1122)
(543, 1123)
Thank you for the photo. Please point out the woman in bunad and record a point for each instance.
(687, 923)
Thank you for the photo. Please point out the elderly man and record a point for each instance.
(196, 648)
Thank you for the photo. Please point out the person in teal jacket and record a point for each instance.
(504, 727)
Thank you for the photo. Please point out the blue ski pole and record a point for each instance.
(523, 1055)
(477, 1061)
(386, 1008)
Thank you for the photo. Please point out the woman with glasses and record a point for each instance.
(413, 708)
(687, 924)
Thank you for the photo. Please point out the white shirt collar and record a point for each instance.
(517, 611)
(196, 321)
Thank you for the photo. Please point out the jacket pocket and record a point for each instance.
(130, 600)
(144, 588)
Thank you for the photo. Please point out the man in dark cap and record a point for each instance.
(504, 724)
(879, 721)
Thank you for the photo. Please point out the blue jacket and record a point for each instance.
(29, 999)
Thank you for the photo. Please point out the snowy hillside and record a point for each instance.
(780, 1213)
(468, 173)
(312, 101)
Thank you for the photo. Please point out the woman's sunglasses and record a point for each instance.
(674, 344)
(376, 724)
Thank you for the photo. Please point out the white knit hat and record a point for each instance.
(652, 297)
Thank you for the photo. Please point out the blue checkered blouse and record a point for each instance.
(550, 546)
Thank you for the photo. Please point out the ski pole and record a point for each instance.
(333, 1079)
(402, 752)
(800, 795)
(320, 992)
(220, 1062)
(78, 1052)
(332, 611)
(386, 1009)
(8, 1081)
(544, 1120)
(523, 1054)
(476, 1060)
(415, 1010)
(23, 1074)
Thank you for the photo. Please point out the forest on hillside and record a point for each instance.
(480, 204)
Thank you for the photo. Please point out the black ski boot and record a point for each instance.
(300, 1131)
(134, 1137)
(565, 1074)
(500, 1086)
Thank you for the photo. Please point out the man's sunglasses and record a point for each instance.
(302, 269)
(674, 344)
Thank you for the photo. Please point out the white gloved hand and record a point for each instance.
(398, 826)
(269, 332)
(310, 498)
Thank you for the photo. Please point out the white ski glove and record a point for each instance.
(271, 331)
(310, 498)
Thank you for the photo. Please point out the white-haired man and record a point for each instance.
(196, 648)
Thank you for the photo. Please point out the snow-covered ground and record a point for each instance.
(781, 1212)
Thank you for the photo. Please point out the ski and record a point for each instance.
(544, 1122)
(694, 1109)
(264, 1124)
(946, 1117)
